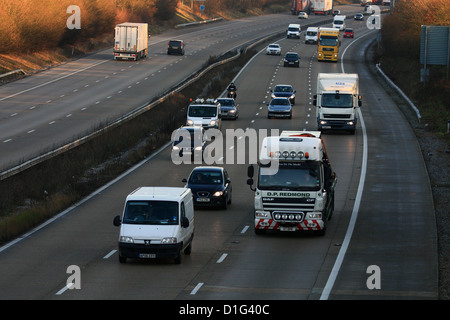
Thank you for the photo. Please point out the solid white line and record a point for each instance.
(197, 287)
(244, 230)
(340, 258)
(222, 257)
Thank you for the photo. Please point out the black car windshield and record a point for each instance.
(202, 111)
(151, 212)
(332, 100)
(291, 56)
(328, 41)
(226, 102)
(280, 102)
(205, 177)
(283, 89)
(290, 176)
(175, 43)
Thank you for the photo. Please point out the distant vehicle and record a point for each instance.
(131, 41)
(300, 5)
(324, 7)
(311, 35)
(189, 141)
(175, 46)
(291, 59)
(336, 12)
(358, 16)
(211, 186)
(279, 107)
(228, 108)
(205, 113)
(273, 48)
(284, 91)
(303, 15)
(293, 31)
(368, 10)
(339, 22)
(348, 33)
(386, 2)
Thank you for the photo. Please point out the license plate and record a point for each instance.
(326, 127)
(287, 229)
(147, 255)
(202, 199)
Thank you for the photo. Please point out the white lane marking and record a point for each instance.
(222, 257)
(197, 287)
(244, 230)
(110, 254)
(67, 286)
(54, 80)
(340, 258)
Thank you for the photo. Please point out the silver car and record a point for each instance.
(229, 108)
(273, 48)
(279, 107)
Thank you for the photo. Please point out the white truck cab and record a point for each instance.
(293, 31)
(295, 184)
(205, 113)
(157, 223)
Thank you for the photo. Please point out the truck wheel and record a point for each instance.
(188, 249)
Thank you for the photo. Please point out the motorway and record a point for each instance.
(383, 215)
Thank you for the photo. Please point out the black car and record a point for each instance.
(285, 91)
(291, 59)
(210, 186)
(175, 46)
(358, 16)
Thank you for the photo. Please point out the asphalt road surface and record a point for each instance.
(383, 213)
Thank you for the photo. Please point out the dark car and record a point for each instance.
(279, 107)
(291, 59)
(284, 91)
(175, 46)
(348, 33)
(358, 16)
(210, 186)
(228, 108)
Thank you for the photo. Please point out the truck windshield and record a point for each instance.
(328, 41)
(332, 100)
(151, 212)
(202, 111)
(290, 176)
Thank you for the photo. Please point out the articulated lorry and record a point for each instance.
(298, 6)
(131, 41)
(324, 7)
(295, 184)
(337, 101)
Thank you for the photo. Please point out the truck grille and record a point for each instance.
(339, 116)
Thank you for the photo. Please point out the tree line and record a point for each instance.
(35, 25)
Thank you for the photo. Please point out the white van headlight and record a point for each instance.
(169, 240)
(212, 123)
(126, 239)
(190, 123)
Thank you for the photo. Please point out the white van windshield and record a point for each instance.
(202, 111)
(151, 212)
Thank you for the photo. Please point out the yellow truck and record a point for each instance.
(328, 44)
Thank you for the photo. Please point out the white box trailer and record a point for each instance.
(131, 41)
(337, 101)
(324, 7)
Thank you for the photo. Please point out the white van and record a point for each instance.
(339, 22)
(293, 31)
(205, 113)
(311, 35)
(157, 223)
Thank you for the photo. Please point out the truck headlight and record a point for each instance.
(262, 214)
(169, 240)
(126, 239)
(315, 215)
